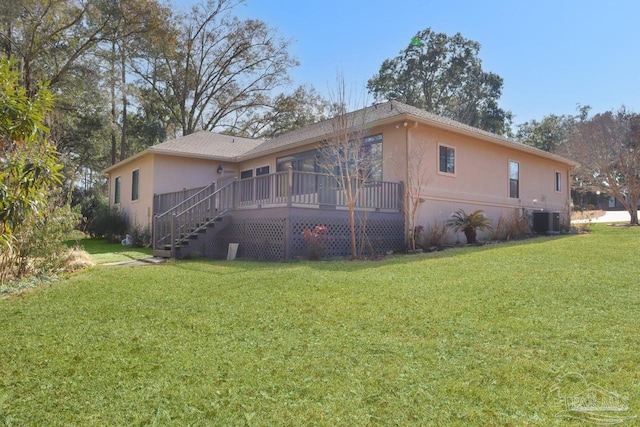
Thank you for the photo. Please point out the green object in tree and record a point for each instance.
(415, 41)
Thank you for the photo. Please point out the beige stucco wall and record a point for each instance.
(177, 173)
(481, 178)
(137, 211)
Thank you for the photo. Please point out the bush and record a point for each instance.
(39, 248)
(111, 224)
(515, 226)
(140, 236)
(91, 207)
(432, 236)
(469, 224)
(317, 240)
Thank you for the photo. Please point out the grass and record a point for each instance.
(474, 336)
(105, 253)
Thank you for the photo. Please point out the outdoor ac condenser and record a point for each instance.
(546, 222)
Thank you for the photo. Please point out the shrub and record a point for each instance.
(469, 223)
(91, 207)
(317, 240)
(111, 224)
(141, 236)
(432, 236)
(515, 226)
(39, 248)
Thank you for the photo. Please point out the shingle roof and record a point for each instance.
(208, 144)
(211, 145)
(378, 113)
(364, 117)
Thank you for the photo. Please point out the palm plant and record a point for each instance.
(469, 223)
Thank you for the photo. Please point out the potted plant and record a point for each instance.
(469, 223)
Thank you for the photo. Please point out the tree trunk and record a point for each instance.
(352, 229)
(633, 212)
(470, 234)
(123, 136)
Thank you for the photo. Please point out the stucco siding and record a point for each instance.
(138, 212)
(173, 173)
(481, 176)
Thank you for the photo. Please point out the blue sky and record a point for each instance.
(552, 55)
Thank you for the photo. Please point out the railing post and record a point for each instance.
(173, 235)
(289, 186)
(154, 232)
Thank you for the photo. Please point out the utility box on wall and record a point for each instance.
(545, 222)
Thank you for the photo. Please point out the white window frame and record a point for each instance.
(509, 179)
(455, 160)
(557, 184)
(133, 182)
(117, 190)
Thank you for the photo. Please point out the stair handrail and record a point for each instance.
(174, 228)
(189, 199)
(207, 198)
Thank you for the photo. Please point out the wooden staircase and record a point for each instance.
(188, 227)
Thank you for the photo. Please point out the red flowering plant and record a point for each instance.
(317, 239)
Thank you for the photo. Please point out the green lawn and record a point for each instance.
(474, 336)
(105, 253)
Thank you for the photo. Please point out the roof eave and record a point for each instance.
(150, 150)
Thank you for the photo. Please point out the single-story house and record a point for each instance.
(200, 192)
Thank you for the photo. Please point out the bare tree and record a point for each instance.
(608, 148)
(416, 179)
(349, 156)
(210, 69)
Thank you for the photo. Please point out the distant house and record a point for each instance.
(202, 191)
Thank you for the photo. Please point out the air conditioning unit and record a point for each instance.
(546, 222)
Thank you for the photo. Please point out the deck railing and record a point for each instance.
(309, 188)
(289, 188)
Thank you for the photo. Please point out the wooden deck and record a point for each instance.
(174, 227)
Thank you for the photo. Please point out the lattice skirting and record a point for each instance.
(280, 238)
(259, 238)
(373, 236)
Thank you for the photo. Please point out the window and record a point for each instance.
(514, 179)
(116, 190)
(301, 162)
(135, 184)
(371, 148)
(558, 181)
(263, 186)
(447, 162)
(246, 185)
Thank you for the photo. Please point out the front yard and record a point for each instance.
(473, 336)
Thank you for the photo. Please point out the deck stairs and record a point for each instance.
(187, 228)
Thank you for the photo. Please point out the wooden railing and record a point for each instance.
(191, 215)
(290, 188)
(166, 201)
(309, 188)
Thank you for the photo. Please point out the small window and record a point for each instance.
(117, 183)
(135, 184)
(447, 162)
(514, 180)
(558, 182)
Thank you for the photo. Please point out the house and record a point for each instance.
(202, 191)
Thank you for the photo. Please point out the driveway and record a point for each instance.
(608, 217)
